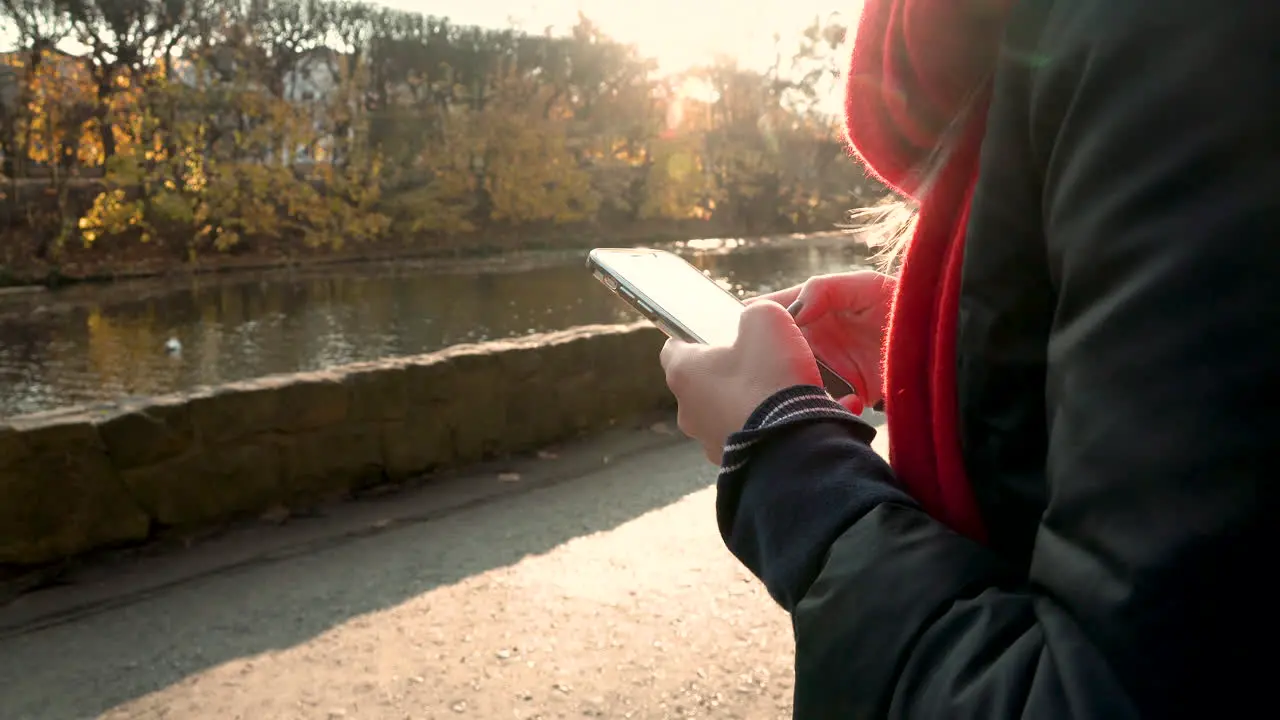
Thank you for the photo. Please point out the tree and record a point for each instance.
(171, 187)
(677, 184)
(124, 38)
(528, 173)
(40, 26)
(435, 194)
(238, 125)
(288, 37)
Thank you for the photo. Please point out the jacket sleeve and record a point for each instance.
(1148, 593)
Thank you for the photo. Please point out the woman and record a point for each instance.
(1082, 369)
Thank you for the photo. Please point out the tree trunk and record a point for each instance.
(103, 75)
(22, 152)
(107, 132)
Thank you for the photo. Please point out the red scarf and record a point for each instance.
(916, 66)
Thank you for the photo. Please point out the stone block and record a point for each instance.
(331, 461)
(60, 495)
(378, 393)
(313, 400)
(538, 408)
(474, 408)
(523, 364)
(418, 444)
(235, 411)
(212, 486)
(581, 402)
(12, 446)
(428, 381)
(149, 433)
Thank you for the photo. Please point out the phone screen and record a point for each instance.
(680, 291)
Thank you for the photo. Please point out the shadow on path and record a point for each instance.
(113, 640)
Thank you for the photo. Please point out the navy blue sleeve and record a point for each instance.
(797, 504)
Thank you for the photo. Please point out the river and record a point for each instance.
(91, 344)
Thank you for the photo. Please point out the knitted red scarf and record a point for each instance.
(916, 66)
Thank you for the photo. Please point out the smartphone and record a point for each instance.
(680, 300)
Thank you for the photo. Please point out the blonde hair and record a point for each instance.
(885, 227)
(888, 225)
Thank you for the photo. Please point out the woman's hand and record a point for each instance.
(844, 317)
(718, 387)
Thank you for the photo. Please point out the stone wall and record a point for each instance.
(80, 479)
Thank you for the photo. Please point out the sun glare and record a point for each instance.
(678, 34)
(697, 89)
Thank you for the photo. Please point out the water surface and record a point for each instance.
(97, 343)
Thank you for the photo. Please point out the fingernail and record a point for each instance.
(795, 307)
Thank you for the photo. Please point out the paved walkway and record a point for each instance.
(586, 583)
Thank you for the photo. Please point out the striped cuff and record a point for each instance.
(797, 404)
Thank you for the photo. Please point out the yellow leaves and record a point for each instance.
(112, 213)
(552, 130)
(226, 240)
(56, 95)
(438, 196)
(170, 186)
(529, 173)
(171, 206)
(680, 165)
(677, 185)
(62, 108)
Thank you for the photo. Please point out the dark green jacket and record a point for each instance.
(1119, 383)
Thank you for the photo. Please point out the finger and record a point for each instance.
(714, 454)
(817, 297)
(781, 297)
(683, 363)
(851, 372)
(682, 421)
(852, 291)
(671, 351)
(767, 333)
(853, 404)
(766, 317)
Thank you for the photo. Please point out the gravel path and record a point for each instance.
(609, 595)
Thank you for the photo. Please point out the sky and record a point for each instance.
(677, 33)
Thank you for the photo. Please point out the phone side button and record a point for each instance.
(644, 308)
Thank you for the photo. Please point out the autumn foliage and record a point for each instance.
(216, 125)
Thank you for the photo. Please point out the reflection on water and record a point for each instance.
(96, 344)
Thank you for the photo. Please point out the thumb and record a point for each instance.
(853, 404)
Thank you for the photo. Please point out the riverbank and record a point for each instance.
(141, 286)
(23, 270)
